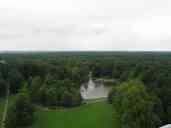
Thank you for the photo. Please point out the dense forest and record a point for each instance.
(141, 94)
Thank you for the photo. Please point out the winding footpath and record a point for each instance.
(5, 109)
(90, 101)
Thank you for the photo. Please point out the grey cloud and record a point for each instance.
(87, 25)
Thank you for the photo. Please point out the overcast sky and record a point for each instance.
(85, 25)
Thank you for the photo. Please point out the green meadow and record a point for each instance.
(93, 115)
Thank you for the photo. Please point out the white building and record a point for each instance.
(166, 126)
(2, 62)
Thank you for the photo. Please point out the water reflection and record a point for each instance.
(93, 90)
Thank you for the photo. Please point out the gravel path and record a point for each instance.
(95, 100)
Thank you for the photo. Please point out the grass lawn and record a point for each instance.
(94, 115)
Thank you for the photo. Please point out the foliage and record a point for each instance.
(34, 87)
(20, 113)
(134, 107)
(15, 79)
(3, 87)
(70, 99)
(53, 92)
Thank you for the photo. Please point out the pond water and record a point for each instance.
(92, 90)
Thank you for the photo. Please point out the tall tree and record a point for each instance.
(15, 79)
(35, 86)
(20, 113)
(134, 106)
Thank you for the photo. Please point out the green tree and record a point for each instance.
(3, 87)
(21, 112)
(15, 79)
(76, 97)
(51, 97)
(134, 106)
(35, 86)
(66, 99)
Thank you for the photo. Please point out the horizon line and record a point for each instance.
(4, 51)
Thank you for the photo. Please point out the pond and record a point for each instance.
(93, 90)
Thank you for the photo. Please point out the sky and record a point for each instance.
(95, 25)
